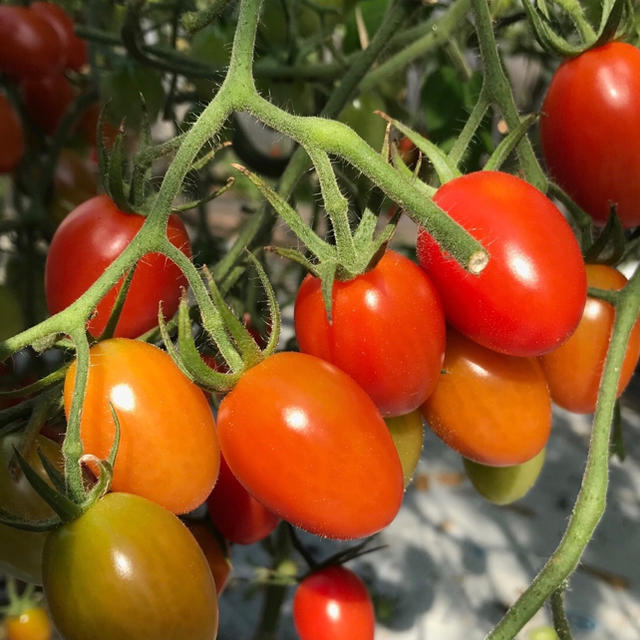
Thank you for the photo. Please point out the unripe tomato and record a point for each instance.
(333, 604)
(492, 408)
(11, 134)
(31, 624)
(128, 569)
(168, 449)
(590, 130)
(503, 485)
(308, 442)
(574, 369)
(529, 298)
(79, 254)
(407, 434)
(387, 331)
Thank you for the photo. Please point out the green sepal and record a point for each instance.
(214, 194)
(44, 524)
(612, 236)
(546, 36)
(103, 156)
(103, 481)
(111, 459)
(168, 343)
(116, 312)
(63, 506)
(617, 447)
(612, 14)
(327, 274)
(55, 475)
(295, 256)
(365, 229)
(509, 143)
(115, 185)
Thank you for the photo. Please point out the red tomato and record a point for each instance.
(31, 624)
(333, 604)
(305, 440)
(590, 130)
(238, 516)
(529, 298)
(168, 446)
(46, 99)
(91, 237)
(12, 147)
(492, 408)
(29, 45)
(74, 181)
(574, 370)
(387, 331)
(217, 554)
(75, 48)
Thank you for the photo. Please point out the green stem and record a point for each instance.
(591, 500)
(560, 621)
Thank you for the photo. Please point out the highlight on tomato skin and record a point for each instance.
(305, 440)
(490, 407)
(529, 298)
(168, 450)
(574, 370)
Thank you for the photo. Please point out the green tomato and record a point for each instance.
(21, 551)
(11, 319)
(407, 433)
(503, 485)
(543, 633)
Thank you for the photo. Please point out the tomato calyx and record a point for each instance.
(20, 603)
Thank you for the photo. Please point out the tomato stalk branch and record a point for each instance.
(591, 500)
(560, 621)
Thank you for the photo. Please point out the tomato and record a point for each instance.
(21, 551)
(88, 126)
(305, 440)
(503, 485)
(11, 134)
(46, 99)
(407, 434)
(530, 296)
(74, 181)
(11, 321)
(387, 331)
(128, 569)
(574, 370)
(168, 449)
(32, 624)
(29, 45)
(590, 130)
(238, 516)
(75, 49)
(492, 408)
(333, 604)
(216, 555)
(359, 115)
(79, 254)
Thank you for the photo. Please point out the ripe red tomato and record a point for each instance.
(590, 130)
(29, 45)
(46, 98)
(11, 134)
(79, 254)
(490, 407)
(333, 604)
(74, 181)
(31, 624)
(128, 569)
(168, 447)
(387, 331)
(529, 298)
(217, 554)
(574, 369)
(75, 48)
(238, 516)
(308, 442)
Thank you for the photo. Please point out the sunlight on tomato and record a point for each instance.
(31, 624)
(308, 442)
(168, 449)
(128, 569)
(407, 433)
(503, 485)
(333, 604)
(574, 369)
(492, 408)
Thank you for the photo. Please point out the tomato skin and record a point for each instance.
(596, 165)
(333, 604)
(216, 555)
(387, 331)
(21, 551)
(408, 434)
(78, 255)
(238, 516)
(574, 369)
(128, 569)
(530, 296)
(11, 134)
(29, 45)
(168, 449)
(492, 408)
(46, 99)
(317, 443)
(31, 624)
(74, 181)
